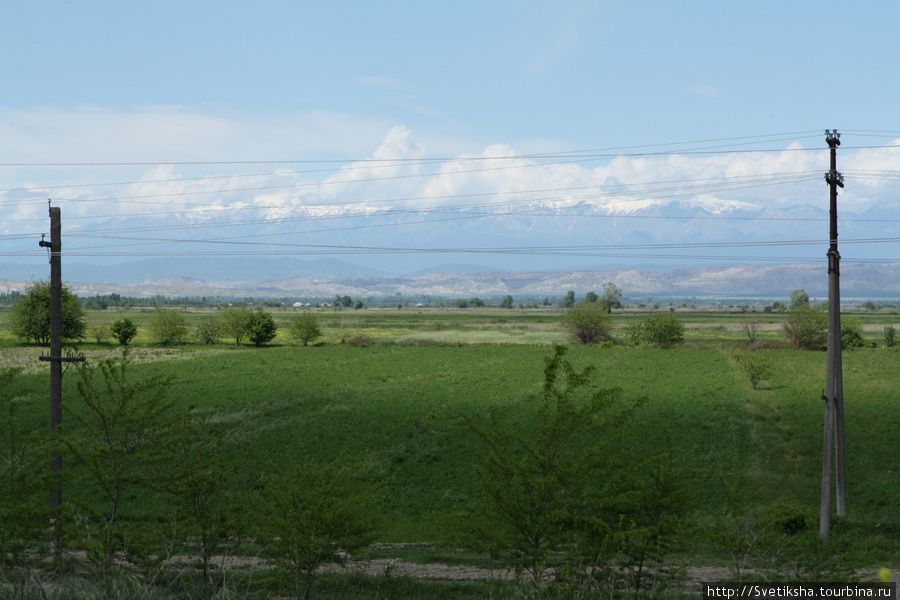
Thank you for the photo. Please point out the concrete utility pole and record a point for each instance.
(56, 358)
(833, 442)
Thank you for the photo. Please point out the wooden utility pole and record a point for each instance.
(56, 358)
(833, 438)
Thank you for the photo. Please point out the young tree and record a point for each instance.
(261, 328)
(548, 480)
(127, 437)
(588, 322)
(304, 327)
(168, 327)
(568, 300)
(312, 514)
(506, 302)
(30, 316)
(123, 331)
(235, 322)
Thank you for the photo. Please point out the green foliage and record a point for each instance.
(755, 365)
(779, 305)
(313, 513)
(798, 298)
(123, 331)
(236, 322)
(125, 442)
(261, 328)
(98, 331)
(208, 331)
(661, 330)
(568, 300)
(547, 482)
(476, 303)
(22, 474)
(890, 336)
(168, 326)
(588, 322)
(806, 328)
(851, 334)
(30, 316)
(304, 327)
(506, 302)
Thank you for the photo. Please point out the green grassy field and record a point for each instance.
(401, 404)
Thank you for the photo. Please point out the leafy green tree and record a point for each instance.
(612, 296)
(168, 327)
(662, 330)
(568, 300)
(548, 481)
(779, 305)
(806, 328)
(30, 316)
(312, 514)
(798, 298)
(236, 322)
(890, 336)
(126, 440)
(460, 303)
(208, 331)
(755, 365)
(588, 322)
(123, 331)
(304, 327)
(345, 301)
(262, 328)
(476, 303)
(506, 302)
(591, 297)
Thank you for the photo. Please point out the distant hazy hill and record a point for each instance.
(861, 281)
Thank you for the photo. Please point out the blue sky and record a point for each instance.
(165, 81)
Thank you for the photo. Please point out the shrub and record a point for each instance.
(123, 331)
(890, 336)
(98, 331)
(588, 322)
(806, 328)
(755, 365)
(168, 327)
(851, 335)
(662, 330)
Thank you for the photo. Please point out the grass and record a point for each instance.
(401, 404)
